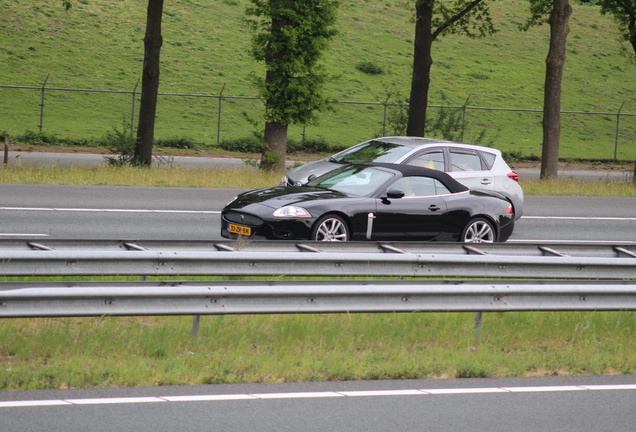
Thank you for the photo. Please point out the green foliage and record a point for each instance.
(539, 13)
(252, 144)
(248, 144)
(624, 14)
(177, 142)
(122, 142)
(461, 17)
(44, 139)
(369, 68)
(290, 37)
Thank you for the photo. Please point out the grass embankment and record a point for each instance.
(101, 352)
(205, 52)
(142, 351)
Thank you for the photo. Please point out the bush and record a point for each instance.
(243, 145)
(178, 143)
(254, 145)
(369, 68)
(122, 142)
(42, 139)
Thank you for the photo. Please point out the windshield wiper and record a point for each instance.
(339, 161)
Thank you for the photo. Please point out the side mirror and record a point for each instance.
(310, 178)
(395, 193)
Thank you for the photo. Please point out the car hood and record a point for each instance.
(317, 168)
(281, 196)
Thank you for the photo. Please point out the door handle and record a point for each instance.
(433, 207)
(485, 181)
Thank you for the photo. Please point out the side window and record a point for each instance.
(440, 189)
(416, 186)
(431, 159)
(465, 161)
(489, 158)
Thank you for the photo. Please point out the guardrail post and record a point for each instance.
(196, 325)
(478, 322)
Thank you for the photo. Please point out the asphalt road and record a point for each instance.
(545, 404)
(128, 212)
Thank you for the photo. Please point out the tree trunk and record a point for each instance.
(149, 84)
(273, 157)
(555, 61)
(422, 62)
(275, 151)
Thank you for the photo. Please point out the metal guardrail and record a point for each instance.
(359, 259)
(45, 299)
(319, 259)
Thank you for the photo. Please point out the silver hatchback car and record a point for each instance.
(474, 166)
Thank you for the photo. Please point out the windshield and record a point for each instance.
(353, 180)
(372, 151)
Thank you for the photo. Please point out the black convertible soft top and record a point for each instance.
(410, 170)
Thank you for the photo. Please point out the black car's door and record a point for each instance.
(418, 215)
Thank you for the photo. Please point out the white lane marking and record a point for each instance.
(108, 210)
(23, 235)
(32, 403)
(299, 395)
(128, 400)
(203, 398)
(601, 218)
(383, 393)
(542, 389)
(464, 391)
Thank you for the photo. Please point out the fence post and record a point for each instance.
(42, 103)
(218, 120)
(618, 120)
(132, 109)
(461, 139)
(6, 150)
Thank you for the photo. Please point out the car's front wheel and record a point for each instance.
(479, 230)
(330, 228)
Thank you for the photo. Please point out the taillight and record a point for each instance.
(513, 176)
(509, 209)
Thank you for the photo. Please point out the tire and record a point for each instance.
(330, 228)
(479, 230)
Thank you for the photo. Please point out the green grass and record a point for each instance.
(98, 45)
(101, 352)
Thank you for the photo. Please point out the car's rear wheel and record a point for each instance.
(330, 228)
(479, 230)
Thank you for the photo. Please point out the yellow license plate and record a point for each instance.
(237, 229)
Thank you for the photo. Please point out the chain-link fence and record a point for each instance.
(89, 115)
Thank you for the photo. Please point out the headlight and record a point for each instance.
(292, 212)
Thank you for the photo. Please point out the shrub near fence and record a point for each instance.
(81, 114)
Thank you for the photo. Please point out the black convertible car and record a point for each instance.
(373, 201)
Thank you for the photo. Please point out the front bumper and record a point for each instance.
(271, 229)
